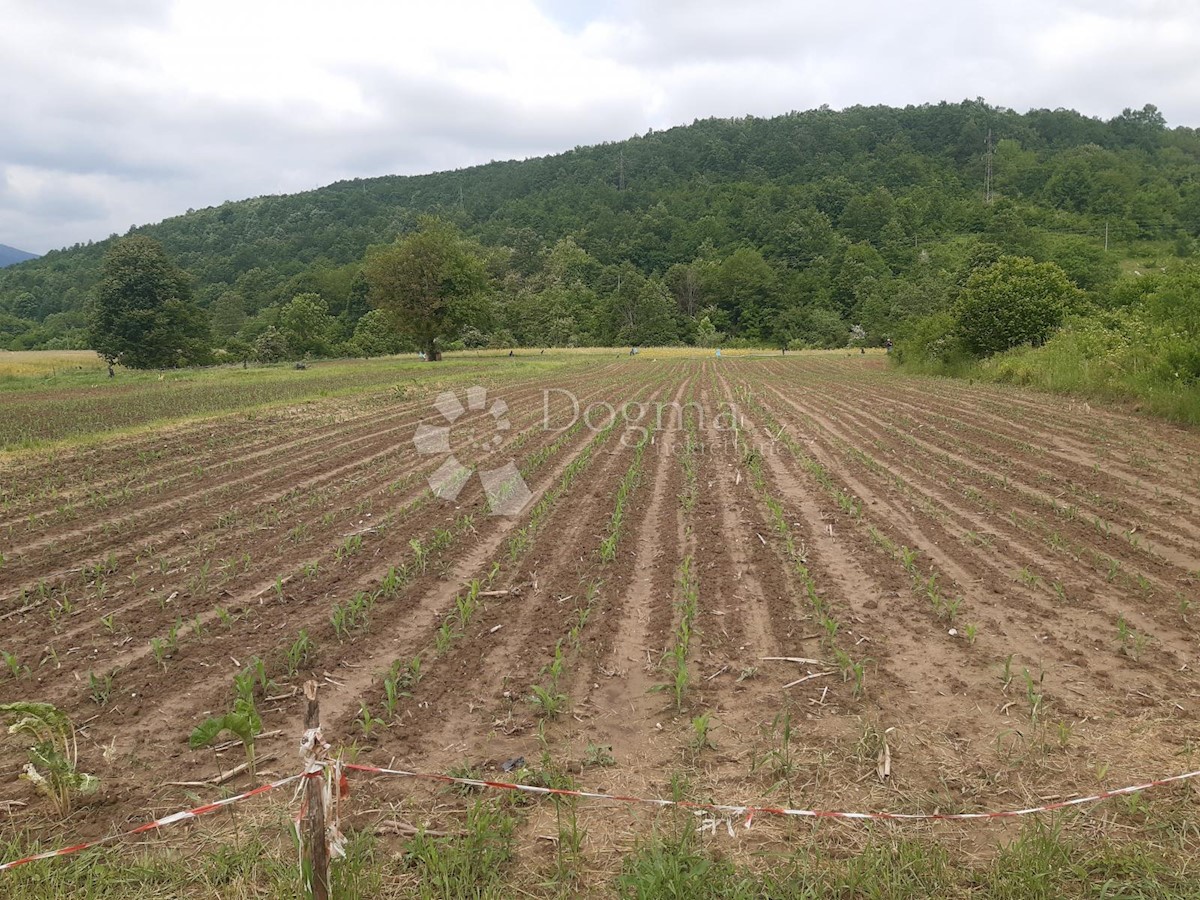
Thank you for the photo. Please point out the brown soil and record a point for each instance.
(1044, 521)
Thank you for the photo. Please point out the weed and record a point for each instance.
(470, 864)
(100, 687)
(1034, 695)
(599, 756)
(779, 757)
(420, 555)
(54, 756)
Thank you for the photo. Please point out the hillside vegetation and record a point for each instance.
(787, 231)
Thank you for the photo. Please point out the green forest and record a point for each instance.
(956, 230)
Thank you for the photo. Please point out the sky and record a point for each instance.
(122, 112)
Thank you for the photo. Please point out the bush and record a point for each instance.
(1012, 302)
(932, 343)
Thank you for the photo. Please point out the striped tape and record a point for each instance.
(751, 811)
(728, 810)
(181, 816)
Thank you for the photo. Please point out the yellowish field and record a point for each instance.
(24, 363)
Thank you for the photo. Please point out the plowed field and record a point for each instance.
(999, 586)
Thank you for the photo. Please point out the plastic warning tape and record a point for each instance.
(180, 816)
(751, 811)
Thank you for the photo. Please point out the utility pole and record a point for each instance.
(987, 174)
(1105, 235)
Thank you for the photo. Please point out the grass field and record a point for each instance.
(806, 581)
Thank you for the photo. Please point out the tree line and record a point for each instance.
(799, 230)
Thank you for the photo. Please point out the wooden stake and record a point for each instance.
(314, 848)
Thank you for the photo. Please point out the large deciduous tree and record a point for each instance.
(141, 315)
(426, 281)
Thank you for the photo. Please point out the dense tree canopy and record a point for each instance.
(793, 228)
(1014, 301)
(426, 282)
(142, 315)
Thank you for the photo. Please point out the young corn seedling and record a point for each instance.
(242, 721)
(368, 722)
(391, 695)
(298, 652)
(1133, 642)
(700, 740)
(15, 669)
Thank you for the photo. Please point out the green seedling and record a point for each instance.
(15, 669)
(700, 740)
(298, 652)
(242, 721)
(1034, 695)
(548, 702)
(100, 687)
(599, 756)
(367, 722)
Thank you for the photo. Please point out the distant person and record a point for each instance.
(718, 353)
(888, 345)
(862, 351)
(512, 353)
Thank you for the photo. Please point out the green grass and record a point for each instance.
(84, 406)
(1044, 860)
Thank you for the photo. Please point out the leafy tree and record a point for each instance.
(271, 346)
(426, 281)
(810, 326)
(1012, 302)
(707, 334)
(227, 314)
(375, 336)
(307, 326)
(141, 315)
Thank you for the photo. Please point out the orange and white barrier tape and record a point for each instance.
(751, 811)
(182, 816)
(725, 810)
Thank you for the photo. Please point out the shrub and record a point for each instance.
(1012, 302)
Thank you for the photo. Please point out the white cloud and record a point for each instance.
(132, 110)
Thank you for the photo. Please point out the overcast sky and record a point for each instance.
(121, 112)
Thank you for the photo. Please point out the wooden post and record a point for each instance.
(314, 847)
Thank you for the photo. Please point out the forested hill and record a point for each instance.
(820, 219)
